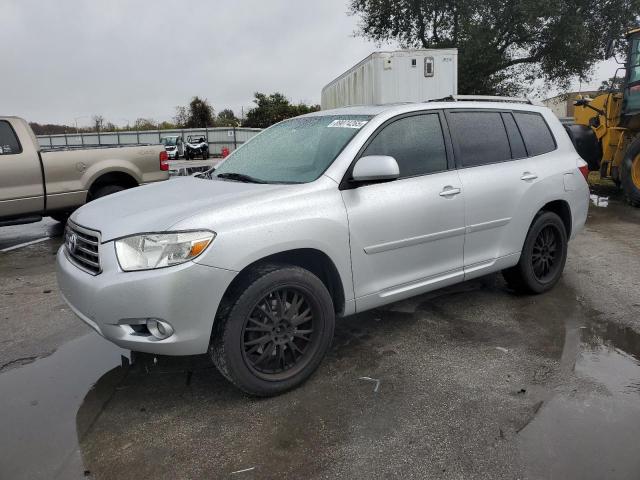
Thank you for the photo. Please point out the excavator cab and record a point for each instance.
(631, 103)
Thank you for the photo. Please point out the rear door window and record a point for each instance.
(9, 143)
(535, 132)
(515, 139)
(416, 142)
(479, 137)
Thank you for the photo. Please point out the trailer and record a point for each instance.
(392, 77)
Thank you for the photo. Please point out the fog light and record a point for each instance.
(159, 328)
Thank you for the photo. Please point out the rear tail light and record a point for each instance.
(584, 169)
(164, 166)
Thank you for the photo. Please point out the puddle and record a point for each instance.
(590, 430)
(599, 201)
(38, 406)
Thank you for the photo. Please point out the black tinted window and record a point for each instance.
(515, 139)
(480, 137)
(416, 142)
(536, 133)
(8, 141)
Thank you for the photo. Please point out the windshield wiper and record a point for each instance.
(240, 177)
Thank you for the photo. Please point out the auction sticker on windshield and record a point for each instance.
(347, 124)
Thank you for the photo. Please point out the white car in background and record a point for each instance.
(174, 145)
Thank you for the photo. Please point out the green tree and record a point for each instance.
(181, 118)
(200, 114)
(503, 45)
(226, 118)
(614, 83)
(272, 109)
(98, 123)
(145, 124)
(164, 125)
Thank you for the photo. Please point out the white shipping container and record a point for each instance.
(392, 77)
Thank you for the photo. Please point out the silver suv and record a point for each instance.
(322, 216)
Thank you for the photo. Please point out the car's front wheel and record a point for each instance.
(543, 256)
(273, 332)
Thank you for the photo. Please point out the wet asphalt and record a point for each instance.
(473, 381)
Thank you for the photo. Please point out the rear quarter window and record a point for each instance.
(480, 137)
(535, 132)
(9, 143)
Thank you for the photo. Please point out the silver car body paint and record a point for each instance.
(388, 241)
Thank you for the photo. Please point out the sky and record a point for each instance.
(64, 61)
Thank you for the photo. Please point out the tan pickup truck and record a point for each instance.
(36, 183)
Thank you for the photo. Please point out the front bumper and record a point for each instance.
(187, 296)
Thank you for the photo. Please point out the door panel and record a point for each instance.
(404, 231)
(496, 176)
(21, 188)
(494, 196)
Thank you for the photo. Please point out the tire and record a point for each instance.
(256, 350)
(205, 155)
(106, 190)
(61, 217)
(630, 174)
(530, 275)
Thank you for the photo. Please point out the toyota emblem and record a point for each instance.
(72, 242)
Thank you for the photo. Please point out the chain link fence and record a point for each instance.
(218, 138)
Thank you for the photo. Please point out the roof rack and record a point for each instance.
(482, 98)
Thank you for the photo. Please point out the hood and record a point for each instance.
(158, 206)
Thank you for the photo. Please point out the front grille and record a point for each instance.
(82, 247)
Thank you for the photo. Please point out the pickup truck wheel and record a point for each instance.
(275, 332)
(543, 256)
(106, 190)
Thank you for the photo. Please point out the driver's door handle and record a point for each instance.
(526, 176)
(449, 191)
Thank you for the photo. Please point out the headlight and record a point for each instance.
(157, 250)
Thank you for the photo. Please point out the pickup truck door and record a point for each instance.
(21, 185)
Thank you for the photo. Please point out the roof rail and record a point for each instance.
(482, 98)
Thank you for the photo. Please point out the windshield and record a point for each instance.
(168, 141)
(634, 61)
(298, 150)
(632, 100)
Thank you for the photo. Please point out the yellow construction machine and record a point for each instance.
(606, 131)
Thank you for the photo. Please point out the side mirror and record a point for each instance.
(375, 168)
(610, 50)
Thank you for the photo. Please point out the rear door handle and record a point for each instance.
(449, 191)
(526, 176)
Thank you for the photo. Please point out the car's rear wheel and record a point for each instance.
(543, 256)
(272, 334)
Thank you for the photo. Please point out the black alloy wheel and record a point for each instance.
(279, 333)
(272, 329)
(546, 252)
(543, 255)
